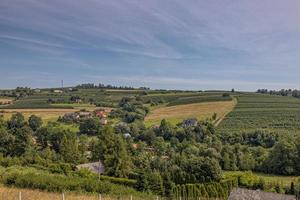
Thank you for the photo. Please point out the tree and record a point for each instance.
(281, 158)
(69, 148)
(23, 140)
(35, 122)
(6, 141)
(16, 121)
(111, 149)
(90, 126)
(156, 183)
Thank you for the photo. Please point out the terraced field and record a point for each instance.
(263, 111)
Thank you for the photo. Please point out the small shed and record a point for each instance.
(190, 122)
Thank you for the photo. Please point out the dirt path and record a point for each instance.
(219, 120)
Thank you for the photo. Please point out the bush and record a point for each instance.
(38, 179)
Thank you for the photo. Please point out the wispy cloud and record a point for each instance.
(221, 40)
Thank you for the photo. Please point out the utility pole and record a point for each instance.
(99, 169)
(62, 84)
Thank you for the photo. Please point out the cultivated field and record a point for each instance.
(176, 114)
(182, 98)
(5, 100)
(263, 111)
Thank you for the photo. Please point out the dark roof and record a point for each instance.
(190, 122)
(245, 194)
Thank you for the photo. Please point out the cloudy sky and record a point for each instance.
(190, 44)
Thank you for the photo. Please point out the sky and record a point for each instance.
(167, 44)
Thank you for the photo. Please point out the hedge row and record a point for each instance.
(34, 179)
(121, 181)
(206, 190)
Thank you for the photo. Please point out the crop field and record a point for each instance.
(48, 114)
(182, 98)
(107, 98)
(31, 103)
(5, 100)
(45, 114)
(27, 194)
(263, 111)
(176, 114)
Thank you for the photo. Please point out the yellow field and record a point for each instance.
(51, 114)
(5, 100)
(26, 194)
(176, 114)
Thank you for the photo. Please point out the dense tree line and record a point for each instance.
(102, 86)
(282, 92)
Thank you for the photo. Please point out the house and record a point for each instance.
(245, 194)
(75, 99)
(96, 167)
(71, 117)
(190, 123)
(127, 135)
(84, 115)
(103, 121)
(100, 113)
(57, 91)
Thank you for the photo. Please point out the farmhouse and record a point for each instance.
(85, 115)
(96, 167)
(101, 114)
(57, 91)
(245, 194)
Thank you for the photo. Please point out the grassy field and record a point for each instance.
(262, 111)
(176, 114)
(283, 180)
(27, 194)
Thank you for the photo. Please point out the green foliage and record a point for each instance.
(35, 122)
(16, 121)
(211, 190)
(112, 151)
(90, 126)
(36, 179)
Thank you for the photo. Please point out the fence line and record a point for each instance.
(23, 194)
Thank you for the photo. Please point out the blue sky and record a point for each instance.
(174, 44)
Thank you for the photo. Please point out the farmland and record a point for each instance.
(201, 111)
(182, 98)
(263, 111)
